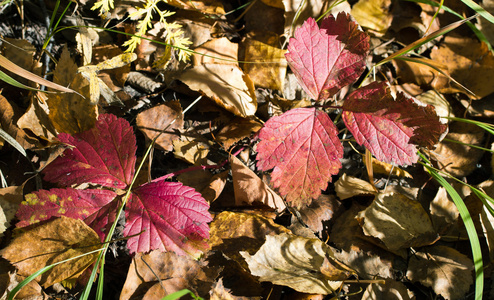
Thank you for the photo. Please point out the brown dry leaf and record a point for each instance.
(349, 186)
(446, 270)
(367, 266)
(232, 232)
(249, 188)
(443, 211)
(380, 167)
(53, 241)
(319, 211)
(469, 61)
(152, 121)
(219, 292)
(8, 117)
(222, 81)
(484, 25)
(36, 118)
(204, 6)
(267, 63)
(374, 15)
(71, 113)
(190, 150)
(398, 221)
(21, 53)
(302, 10)
(236, 130)
(306, 265)
(420, 73)
(215, 186)
(486, 218)
(197, 179)
(176, 273)
(390, 290)
(456, 159)
(441, 105)
(32, 291)
(10, 199)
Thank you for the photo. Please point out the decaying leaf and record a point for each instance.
(236, 130)
(303, 148)
(367, 266)
(167, 117)
(398, 221)
(71, 113)
(306, 265)
(157, 274)
(446, 270)
(222, 81)
(191, 150)
(10, 199)
(349, 186)
(54, 241)
(374, 15)
(390, 290)
(249, 188)
(319, 211)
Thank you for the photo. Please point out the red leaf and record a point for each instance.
(72, 203)
(388, 127)
(104, 155)
(302, 146)
(327, 59)
(174, 217)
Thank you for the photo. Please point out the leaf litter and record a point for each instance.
(247, 186)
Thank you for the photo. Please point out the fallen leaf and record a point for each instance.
(249, 188)
(236, 130)
(446, 270)
(54, 241)
(303, 148)
(71, 113)
(157, 274)
(36, 119)
(460, 159)
(367, 266)
(298, 262)
(165, 117)
(349, 186)
(469, 61)
(374, 15)
(383, 168)
(8, 117)
(190, 150)
(267, 63)
(443, 211)
(215, 186)
(398, 221)
(222, 81)
(319, 211)
(10, 199)
(391, 290)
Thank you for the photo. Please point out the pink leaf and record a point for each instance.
(104, 155)
(327, 59)
(388, 127)
(302, 146)
(174, 217)
(72, 203)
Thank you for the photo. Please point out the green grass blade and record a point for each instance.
(479, 9)
(179, 294)
(470, 227)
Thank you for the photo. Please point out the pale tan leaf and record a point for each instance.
(446, 270)
(319, 211)
(306, 265)
(349, 186)
(398, 221)
(191, 150)
(249, 188)
(443, 211)
(380, 167)
(54, 241)
(227, 85)
(367, 266)
(390, 290)
(373, 14)
(10, 199)
(216, 185)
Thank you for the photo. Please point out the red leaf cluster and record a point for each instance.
(171, 216)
